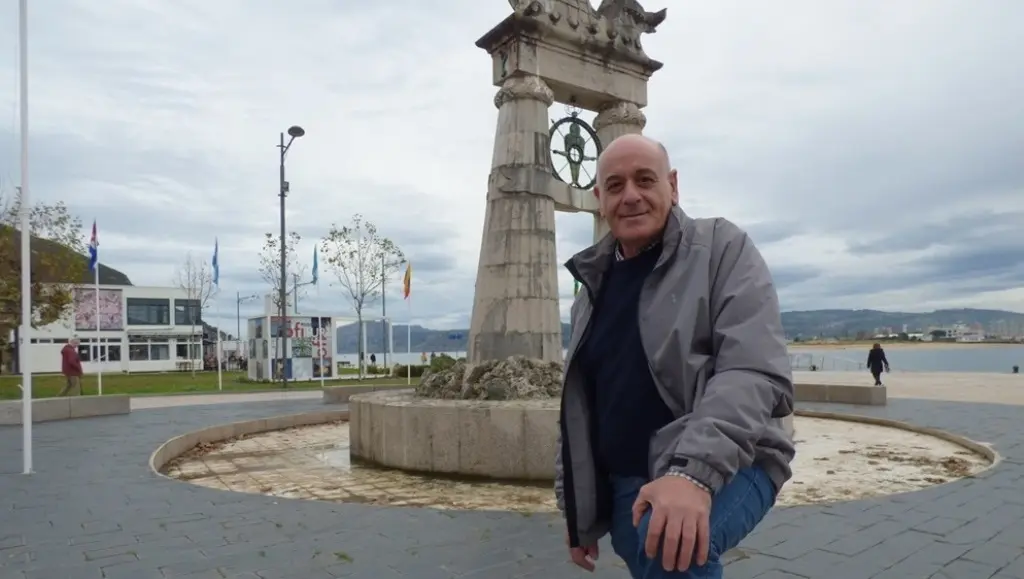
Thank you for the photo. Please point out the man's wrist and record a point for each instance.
(676, 471)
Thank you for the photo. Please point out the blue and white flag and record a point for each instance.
(216, 263)
(316, 268)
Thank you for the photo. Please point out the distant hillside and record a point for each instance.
(806, 324)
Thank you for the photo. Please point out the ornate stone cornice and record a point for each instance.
(620, 113)
(524, 87)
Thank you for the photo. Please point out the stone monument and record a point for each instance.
(548, 51)
(496, 415)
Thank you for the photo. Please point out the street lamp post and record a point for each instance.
(239, 299)
(294, 132)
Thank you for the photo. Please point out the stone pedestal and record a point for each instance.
(515, 308)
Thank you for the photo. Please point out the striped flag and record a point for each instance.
(407, 281)
(94, 248)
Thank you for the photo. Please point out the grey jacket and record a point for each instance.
(711, 328)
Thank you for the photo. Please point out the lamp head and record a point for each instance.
(296, 131)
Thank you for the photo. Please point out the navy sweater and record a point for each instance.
(624, 399)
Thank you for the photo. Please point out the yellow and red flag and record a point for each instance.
(407, 281)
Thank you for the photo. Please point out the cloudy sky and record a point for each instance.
(873, 149)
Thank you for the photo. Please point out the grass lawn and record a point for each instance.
(48, 385)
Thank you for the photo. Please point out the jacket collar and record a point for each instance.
(590, 265)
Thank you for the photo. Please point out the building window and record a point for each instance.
(187, 313)
(141, 349)
(149, 312)
(84, 353)
(114, 353)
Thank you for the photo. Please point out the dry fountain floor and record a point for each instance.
(836, 461)
(93, 509)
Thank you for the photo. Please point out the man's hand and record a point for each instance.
(583, 557)
(679, 513)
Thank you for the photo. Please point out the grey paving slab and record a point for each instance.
(94, 510)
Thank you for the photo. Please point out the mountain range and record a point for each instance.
(803, 324)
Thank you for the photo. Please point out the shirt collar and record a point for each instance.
(618, 250)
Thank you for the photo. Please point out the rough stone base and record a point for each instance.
(515, 378)
(65, 408)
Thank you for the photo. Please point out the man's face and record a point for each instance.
(636, 189)
(74, 343)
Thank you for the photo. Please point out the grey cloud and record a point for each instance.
(981, 227)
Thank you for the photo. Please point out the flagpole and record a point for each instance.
(99, 348)
(322, 346)
(408, 344)
(220, 376)
(26, 250)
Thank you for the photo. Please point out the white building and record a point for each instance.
(141, 329)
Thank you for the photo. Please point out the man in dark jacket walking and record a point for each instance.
(71, 367)
(876, 362)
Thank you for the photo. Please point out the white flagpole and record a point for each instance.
(99, 347)
(322, 346)
(408, 344)
(220, 376)
(26, 250)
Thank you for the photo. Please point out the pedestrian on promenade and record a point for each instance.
(876, 362)
(71, 367)
(676, 382)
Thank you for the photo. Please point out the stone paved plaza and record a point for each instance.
(94, 509)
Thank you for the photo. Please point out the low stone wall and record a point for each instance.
(66, 408)
(512, 440)
(841, 394)
(341, 394)
(179, 445)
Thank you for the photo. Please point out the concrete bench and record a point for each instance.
(341, 394)
(841, 394)
(66, 408)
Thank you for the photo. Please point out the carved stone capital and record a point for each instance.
(620, 113)
(524, 87)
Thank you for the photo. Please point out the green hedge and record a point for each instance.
(400, 371)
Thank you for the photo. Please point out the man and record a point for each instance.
(876, 362)
(71, 367)
(676, 380)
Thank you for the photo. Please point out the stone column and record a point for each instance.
(614, 120)
(515, 309)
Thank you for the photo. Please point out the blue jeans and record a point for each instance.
(737, 508)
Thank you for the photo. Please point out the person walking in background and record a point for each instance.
(71, 367)
(877, 362)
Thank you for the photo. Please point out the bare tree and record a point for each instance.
(196, 279)
(270, 264)
(361, 259)
(270, 269)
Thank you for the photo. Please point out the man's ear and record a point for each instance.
(673, 179)
(597, 195)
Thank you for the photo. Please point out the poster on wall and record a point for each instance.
(111, 312)
(282, 365)
(256, 328)
(252, 349)
(322, 359)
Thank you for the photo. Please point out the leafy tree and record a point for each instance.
(361, 259)
(196, 278)
(58, 263)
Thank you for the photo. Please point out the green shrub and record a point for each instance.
(441, 362)
(400, 370)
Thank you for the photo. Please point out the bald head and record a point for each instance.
(636, 189)
(633, 144)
